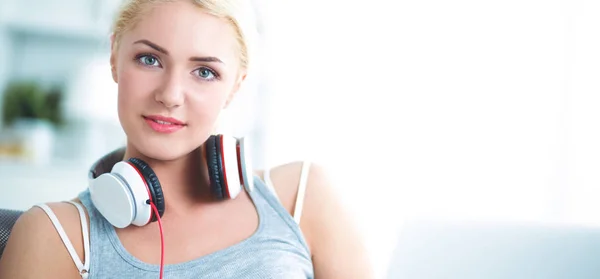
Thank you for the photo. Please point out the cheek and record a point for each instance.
(206, 107)
(135, 88)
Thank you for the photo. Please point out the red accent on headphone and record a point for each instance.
(162, 240)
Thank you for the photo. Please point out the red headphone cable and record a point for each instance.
(162, 241)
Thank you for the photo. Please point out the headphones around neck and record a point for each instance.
(125, 194)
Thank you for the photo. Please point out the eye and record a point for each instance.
(206, 73)
(148, 60)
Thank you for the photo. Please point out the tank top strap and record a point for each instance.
(99, 243)
(84, 266)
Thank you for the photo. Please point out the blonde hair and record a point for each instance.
(238, 13)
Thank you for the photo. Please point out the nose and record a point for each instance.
(171, 94)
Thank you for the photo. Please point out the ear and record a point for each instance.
(236, 87)
(113, 58)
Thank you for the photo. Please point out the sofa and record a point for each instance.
(496, 250)
(7, 221)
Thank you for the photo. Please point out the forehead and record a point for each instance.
(184, 30)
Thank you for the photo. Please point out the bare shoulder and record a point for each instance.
(35, 249)
(337, 246)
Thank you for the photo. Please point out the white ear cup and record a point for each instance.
(121, 195)
(245, 159)
(113, 199)
(230, 166)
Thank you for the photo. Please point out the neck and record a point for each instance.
(183, 183)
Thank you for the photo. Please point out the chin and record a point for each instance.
(161, 149)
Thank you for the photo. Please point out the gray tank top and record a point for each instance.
(277, 249)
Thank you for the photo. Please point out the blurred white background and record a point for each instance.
(470, 110)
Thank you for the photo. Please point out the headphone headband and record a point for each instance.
(106, 163)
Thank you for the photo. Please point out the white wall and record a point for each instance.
(581, 191)
(464, 109)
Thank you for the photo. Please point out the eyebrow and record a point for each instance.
(164, 51)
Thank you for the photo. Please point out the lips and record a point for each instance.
(164, 120)
(162, 124)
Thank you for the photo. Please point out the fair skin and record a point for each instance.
(166, 82)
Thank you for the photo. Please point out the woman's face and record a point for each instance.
(176, 70)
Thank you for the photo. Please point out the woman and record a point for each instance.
(177, 65)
